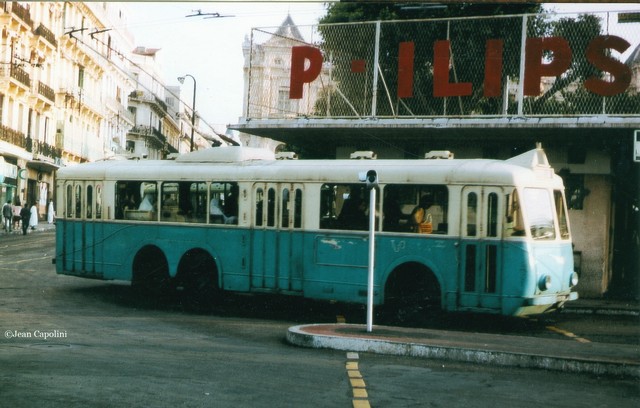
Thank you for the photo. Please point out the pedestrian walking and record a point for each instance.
(25, 215)
(33, 219)
(7, 216)
(51, 212)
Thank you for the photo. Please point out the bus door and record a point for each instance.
(75, 233)
(275, 250)
(480, 247)
(290, 249)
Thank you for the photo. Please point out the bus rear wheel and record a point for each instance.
(196, 281)
(412, 296)
(150, 274)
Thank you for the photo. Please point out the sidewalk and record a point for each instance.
(42, 226)
(482, 348)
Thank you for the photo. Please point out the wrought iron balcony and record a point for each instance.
(20, 75)
(47, 34)
(12, 136)
(22, 12)
(46, 91)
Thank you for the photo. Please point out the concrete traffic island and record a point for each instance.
(479, 348)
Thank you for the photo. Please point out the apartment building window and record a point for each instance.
(81, 77)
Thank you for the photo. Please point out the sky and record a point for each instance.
(211, 49)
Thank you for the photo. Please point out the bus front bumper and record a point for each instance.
(553, 301)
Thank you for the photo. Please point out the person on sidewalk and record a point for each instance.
(33, 220)
(51, 212)
(7, 215)
(25, 215)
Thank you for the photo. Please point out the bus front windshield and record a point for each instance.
(538, 206)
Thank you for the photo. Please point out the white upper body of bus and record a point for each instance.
(241, 164)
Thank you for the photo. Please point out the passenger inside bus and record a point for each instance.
(392, 211)
(148, 203)
(353, 214)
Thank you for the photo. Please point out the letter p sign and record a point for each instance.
(301, 71)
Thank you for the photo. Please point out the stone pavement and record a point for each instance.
(483, 348)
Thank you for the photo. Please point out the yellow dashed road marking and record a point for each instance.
(360, 395)
(568, 334)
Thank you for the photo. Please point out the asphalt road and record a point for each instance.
(70, 342)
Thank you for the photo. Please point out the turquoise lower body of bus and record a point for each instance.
(415, 271)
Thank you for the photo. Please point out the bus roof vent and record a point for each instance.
(535, 159)
(439, 154)
(363, 155)
(227, 154)
(286, 156)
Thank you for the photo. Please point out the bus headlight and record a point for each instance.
(545, 282)
(573, 280)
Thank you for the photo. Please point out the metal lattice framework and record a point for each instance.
(525, 65)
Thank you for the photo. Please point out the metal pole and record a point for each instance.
(376, 56)
(372, 231)
(193, 110)
(523, 45)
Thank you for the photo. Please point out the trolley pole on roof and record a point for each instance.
(371, 179)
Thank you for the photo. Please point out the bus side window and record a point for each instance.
(472, 214)
(78, 201)
(353, 211)
(231, 202)
(397, 204)
(328, 206)
(259, 206)
(69, 201)
(297, 217)
(98, 201)
(271, 208)
(285, 208)
(434, 201)
(89, 201)
(492, 215)
(514, 225)
(562, 215)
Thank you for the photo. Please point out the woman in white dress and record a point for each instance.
(50, 212)
(33, 221)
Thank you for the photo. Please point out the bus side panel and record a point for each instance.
(338, 268)
(257, 258)
(284, 261)
(88, 246)
(432, 251)
(231, 250)
(298, 256)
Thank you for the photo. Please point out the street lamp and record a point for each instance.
(193, 105)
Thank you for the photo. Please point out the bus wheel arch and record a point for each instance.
(150, 272)
(411, 292)
(197, 278)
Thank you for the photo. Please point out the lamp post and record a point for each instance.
(193, 105)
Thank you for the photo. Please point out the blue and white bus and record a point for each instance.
(474, 235)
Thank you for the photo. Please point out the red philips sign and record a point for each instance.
(306, 64)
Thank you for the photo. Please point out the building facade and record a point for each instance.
(74, 88)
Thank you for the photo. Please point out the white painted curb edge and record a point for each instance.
(297, 336)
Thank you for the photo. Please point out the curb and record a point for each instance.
(296, 335)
